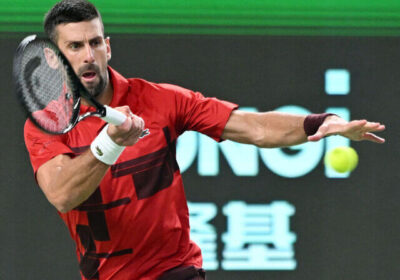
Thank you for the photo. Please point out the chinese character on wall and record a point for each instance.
(258, 236)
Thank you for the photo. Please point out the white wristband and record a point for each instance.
(105, 149)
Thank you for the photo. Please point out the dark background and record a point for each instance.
(346, 228)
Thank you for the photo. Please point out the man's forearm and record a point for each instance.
(266, 130)
(281, 129)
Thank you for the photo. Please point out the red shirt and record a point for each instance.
(136, 224)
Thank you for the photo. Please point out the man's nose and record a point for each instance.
(89, 54)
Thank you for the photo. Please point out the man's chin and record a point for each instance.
(95, 87)
(90, 86)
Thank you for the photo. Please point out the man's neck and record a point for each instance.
(106, 96)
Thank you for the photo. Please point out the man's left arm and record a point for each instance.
(276, 129)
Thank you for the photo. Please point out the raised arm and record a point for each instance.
(276, 129)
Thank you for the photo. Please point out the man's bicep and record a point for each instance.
(242, 127)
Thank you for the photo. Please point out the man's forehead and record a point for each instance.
(80, 31)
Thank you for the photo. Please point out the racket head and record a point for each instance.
(46, 85)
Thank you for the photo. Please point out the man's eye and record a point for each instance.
(96, 43)
(74, 46)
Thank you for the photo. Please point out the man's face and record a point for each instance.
(84, 46)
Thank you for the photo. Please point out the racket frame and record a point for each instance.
(78, 91)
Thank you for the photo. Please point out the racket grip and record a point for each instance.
(113, 116)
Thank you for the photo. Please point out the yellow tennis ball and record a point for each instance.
(342, 159)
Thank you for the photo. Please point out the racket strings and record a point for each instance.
(45, 87)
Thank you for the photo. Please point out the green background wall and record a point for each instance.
(257, 17)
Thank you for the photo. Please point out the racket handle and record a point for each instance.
(116, 118)
(113, 116)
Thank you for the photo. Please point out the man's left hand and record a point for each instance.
(357, 130)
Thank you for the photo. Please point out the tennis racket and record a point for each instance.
(49, 90)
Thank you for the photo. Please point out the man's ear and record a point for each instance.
(51, 58)
(108, 46)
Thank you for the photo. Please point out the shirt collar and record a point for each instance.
(120, 86)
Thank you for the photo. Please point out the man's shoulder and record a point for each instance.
(143, 86)
(30, 127)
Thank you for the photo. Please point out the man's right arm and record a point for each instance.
(67, 182)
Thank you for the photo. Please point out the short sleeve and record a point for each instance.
(203, 114)
(42, 146)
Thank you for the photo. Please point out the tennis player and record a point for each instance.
(122, 198)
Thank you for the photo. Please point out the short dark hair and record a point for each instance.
(67, 11)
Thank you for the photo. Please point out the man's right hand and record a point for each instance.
(129, 132)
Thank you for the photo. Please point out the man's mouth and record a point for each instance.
(89, 76)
